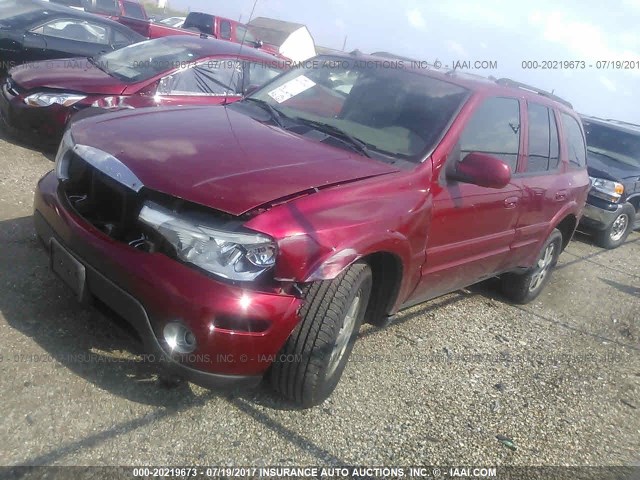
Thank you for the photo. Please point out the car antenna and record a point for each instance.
(244, 36)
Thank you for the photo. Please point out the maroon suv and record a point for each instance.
(253, 239)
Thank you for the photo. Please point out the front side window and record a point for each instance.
(394, 112)
(543, 139)
(77, 30)
(494, 128)
(575, 141)
(210, 78)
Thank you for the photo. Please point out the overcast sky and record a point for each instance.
(504, 31)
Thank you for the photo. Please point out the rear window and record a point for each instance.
(144, 60)
(108, 7)
(199, 21)
(574, 139)
(133, 10)
(225, 30)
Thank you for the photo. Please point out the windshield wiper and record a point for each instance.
(276, 115)
(338, 133)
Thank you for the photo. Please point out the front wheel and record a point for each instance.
(315, 355)
(525, 287)
(617, 233)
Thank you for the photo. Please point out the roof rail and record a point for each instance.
(507, 82)
(474, 76)
(622, 122)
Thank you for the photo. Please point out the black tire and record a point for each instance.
(525, 287)
(312, 361)
(619, 230)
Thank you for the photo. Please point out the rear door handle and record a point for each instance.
(511, 202)
(560, 196)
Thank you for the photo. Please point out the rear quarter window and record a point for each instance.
(574, 138)
(133, 10)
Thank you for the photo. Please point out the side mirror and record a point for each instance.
(483, 170)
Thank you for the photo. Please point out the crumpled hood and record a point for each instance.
(71, 74)
(220, 158)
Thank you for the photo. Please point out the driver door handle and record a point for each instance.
(561, 195)
(511, 202)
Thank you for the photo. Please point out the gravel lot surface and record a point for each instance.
(560, 378)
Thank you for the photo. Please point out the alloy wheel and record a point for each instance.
(543, 267)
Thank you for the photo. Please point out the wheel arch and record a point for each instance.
(388, 269)
(567, 227)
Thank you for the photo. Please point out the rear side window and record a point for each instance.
(120, 39)
(225, 30)
(574, 138)
(543, 139)
(494, 128)
(75, 29)
(133, 10)
(210, 78)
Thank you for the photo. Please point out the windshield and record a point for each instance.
(618, 145)
(393, 111)
(142, 61)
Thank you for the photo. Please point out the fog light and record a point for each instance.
(179, 338)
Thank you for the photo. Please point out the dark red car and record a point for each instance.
(254, 239)
(40, 98)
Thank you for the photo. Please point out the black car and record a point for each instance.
(613, 206)
(32, 30)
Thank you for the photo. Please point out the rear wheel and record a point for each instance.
(312, 361)
(617, 233)
(525, 287)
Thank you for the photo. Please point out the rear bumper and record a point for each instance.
(152, 290)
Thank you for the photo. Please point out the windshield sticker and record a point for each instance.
(291, 89)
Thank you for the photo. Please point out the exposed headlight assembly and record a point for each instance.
(47, 99)
(62, 157)
(606, 189)
(238, 256)
(102, 161)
